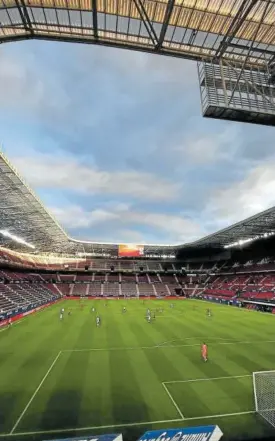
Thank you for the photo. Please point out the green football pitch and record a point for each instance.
(69, 378)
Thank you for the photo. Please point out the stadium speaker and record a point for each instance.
(112, 267)
(141, 268)
(86, 267)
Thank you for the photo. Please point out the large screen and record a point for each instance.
(130, 250)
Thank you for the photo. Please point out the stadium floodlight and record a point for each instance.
(264, 395)
(16, 238)
(241, 242)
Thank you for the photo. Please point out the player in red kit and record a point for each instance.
(204, 351)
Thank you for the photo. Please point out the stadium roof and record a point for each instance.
(239, 30)
(255, 227)
(26, 225)
(23, 217)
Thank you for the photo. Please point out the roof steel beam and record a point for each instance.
(95, 26)
(245, 9)
(253, 85)
(24, 16)
(258, 50)
(168, 12)
(146, 21)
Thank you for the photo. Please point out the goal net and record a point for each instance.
(264, 394)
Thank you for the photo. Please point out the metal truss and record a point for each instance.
(238, 20)
(198, 30)
(256, 31)
(22, 214)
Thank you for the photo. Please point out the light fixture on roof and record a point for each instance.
(16, 238)
(241, 242)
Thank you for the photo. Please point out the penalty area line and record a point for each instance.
(173, 401)
(168, 346)
(208, 379)
(224, 415)
(165, 343)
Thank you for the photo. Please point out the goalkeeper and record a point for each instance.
(204, 351)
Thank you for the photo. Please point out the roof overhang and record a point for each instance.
(237, 30)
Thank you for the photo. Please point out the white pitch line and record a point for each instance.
(112, 426)
(205, 417)
(179, 339)
(13, 324)
(34, 394)
(207, 379)
(4, 329)
(173, 401)
(137, 348)
(109, 426)
(193, 338)
(25, 318)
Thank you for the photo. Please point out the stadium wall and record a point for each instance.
(234, 302)
(122, 298)
(20, 313)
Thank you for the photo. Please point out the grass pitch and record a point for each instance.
(69, 378)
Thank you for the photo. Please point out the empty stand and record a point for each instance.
(153, 278)
(111, 289)
(146, 289)
(167, 279)
(99, 277)
(161, 289)
(129, 289)
(95, 289)
(14, 296)
(130, 278)
(80, 289)
(143, 278)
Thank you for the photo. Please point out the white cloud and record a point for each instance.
(177, 227)
(131, 85)
(128, 236)
(75, 217)
(166, 70)
(254, 193)
(47, 171)
(208, 148)
(22, 87)
(174, 229)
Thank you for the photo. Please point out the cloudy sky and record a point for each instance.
(114, 144)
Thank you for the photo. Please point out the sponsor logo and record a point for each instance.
(204, 433)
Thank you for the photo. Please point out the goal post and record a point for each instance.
(264, 395)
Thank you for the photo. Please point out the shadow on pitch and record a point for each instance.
(62, 410)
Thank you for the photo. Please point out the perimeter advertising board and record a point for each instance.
(109, 437)
(201, 433)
